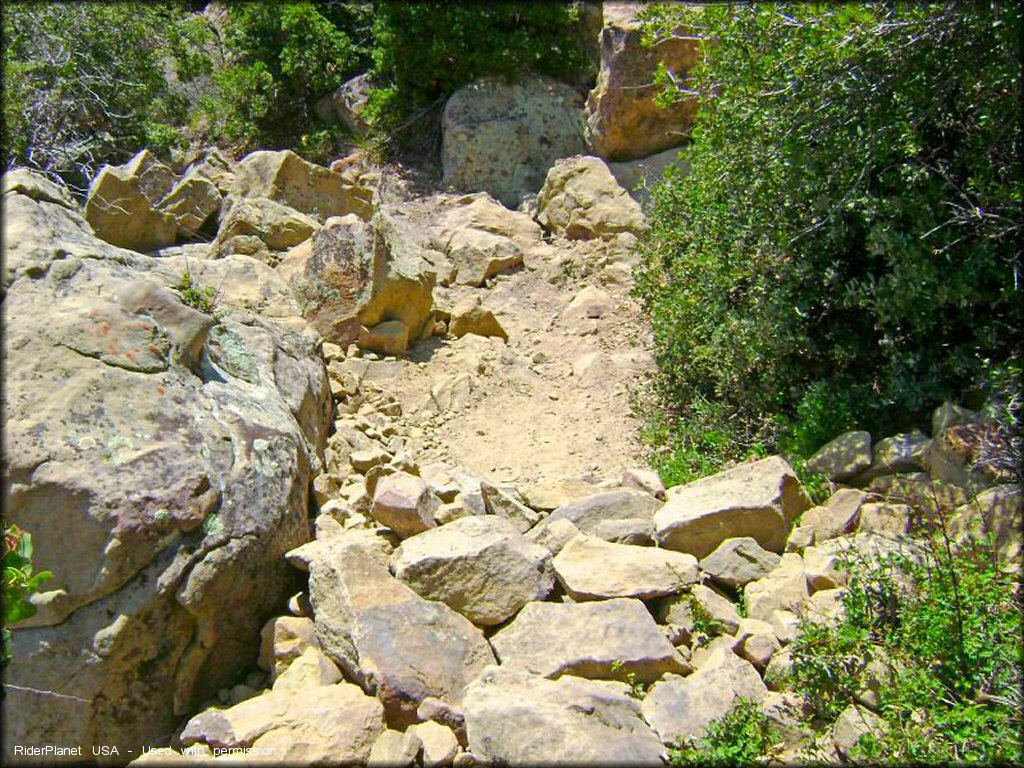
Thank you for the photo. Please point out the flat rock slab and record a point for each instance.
(736, 562)
(515, 718)
(606, 640)
(587, 512)
(480, 566)
(592, 569)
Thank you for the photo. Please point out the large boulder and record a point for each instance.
(312, 189)
(515, 718)
(277, 226)
(192, 202)
(623, 121)
(581, 200)
(350, 100)
(502, 138)
(610, 639)
(481, 566)
(591, 569)
(844, 457)
(121, 205)
(161, 462)
(387, 638)
(38, 187)
(760, 500)
(996, 511)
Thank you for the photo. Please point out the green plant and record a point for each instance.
(195, 295)
(742, 736)
(20, 583)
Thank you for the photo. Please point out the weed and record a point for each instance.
(742, 736)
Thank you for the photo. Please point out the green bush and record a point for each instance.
(19, 583)
(424, 51)
(949, 630)
(742, 736)
(844, 248)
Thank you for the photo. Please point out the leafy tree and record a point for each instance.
(847, 238)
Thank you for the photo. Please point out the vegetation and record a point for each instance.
(196, 295)
(845, 248)
(947, 629)
(742, 736)
(20, 583)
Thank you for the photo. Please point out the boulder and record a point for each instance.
(120, 206)
(394, 749)
(477, 255)
(327, 724)
(350, 100)
(679, 708)
(309, 669)
(548, 495)
(499, 502)
(470, 317)
(759, 499)
(440, 745)
(482, 212)
(951, 415)
(553, 537)
(854, 722)
(192, 202)
(900, 453)
(284, 639)
(885, 517)
(957, 456)
(823, 568)
(843, 458)
(996, 511)
(637, 531)
(756, 642)
(593, 303)
(286, 178)
(623, 121)
(385, 637)
(37, 187)
(785, 588)
(610, 639)
(388, 338)
(591, 569)
(277, 226)
(735, 562)
(214, 165)
(581, 200)
(701, 605)
(839, 515)
(480, 566)
(588, 512)
(502, 138)
(405, 504)
(569, 721)
(161, 496)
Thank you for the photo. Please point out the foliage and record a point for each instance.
(88, 83)
(19, 583)
(195, 295)
(846, 240)
(424, 51)
(742, 736)
(948, 628)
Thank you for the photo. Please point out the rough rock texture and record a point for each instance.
(192, 201)
(759, 500)
(502, 138)
(608, 639)
(854, 721)
(591, 569)
(470, 317)
(161, 463)
(588, 512)
(623, 121)
(120, 206)
(350, 100)
(515, 718)
(678, 708)
(581, 200)
(738, 561)
(405, 504)
(846, 456)
(312, 189)
(838, 515)
(37, 187)
(387, 638)
(785, 588)
(998, 511)
(481, 566)
(277, 226)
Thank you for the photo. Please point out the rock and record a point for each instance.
(310, 669)
(588, 512)
(756, 642)
(623, 122)
(482, 212)
(325, 724)
(214, 165)
(192, 202)
(843, 458)
(388, 338)
(284, 639)
(569, 721)
(350, 100)
(592, 303)
(645, 479)
(760, 500)
(498, 502)
(900, 453)
(735, 562)
(388, 639)
(481, 567)
(955, 457)
(823, 569)
(853, 723)
(286, 178)
(638, 177)
(440, 746)
(701, 603)
(393, 749)
(548, 495)
(996, 511)
(885, 518)
(785, 588)
(786, 625)
(120, 205)
(469, 317)
(925, 497)
(637, 531)
(778, 673)
(478, 255)
(553, 537)
(37, 187)
(679, 708)
(801, 537)
(277, 226)
(405, 504)
(367, 458)
(591, 569)
(502, 138)
(581, 200)
(610, 639)
(951, 415)
(839, 515)
(162, 498)
(825, 607)
(451, 393)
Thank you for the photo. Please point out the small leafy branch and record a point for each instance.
(200, 297)
(19, 583)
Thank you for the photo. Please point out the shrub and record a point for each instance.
(846, 237)
(19, 583)
(742, 736)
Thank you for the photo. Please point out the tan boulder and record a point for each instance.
(37, 187)
(760, 500)
(854, 722)
(440, 745)
(478, 255)
(610, 639)
(119, 210)
(844, 457)
(469, 316)
(623, 121)
(214, 165)
(885, 517)
(824, 568)
(785, 588)
(951, 415)
(284, 639)
(388, 338)
(838, 515)
(581, 200)
(996, 511)
(701, 606)
(568, 721)
(481, 566)
(587, 512)
(394, 749)
(286, 178)
(192, 202)
(737, 561)
(591, 569)
(277, 226)
(592, 303)
(637, 531)
(308, 670)
(756, 642)
(482, 212)
(904, 452)
(405, 504)
(548, 495)
(553, 537)
(497, 501)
